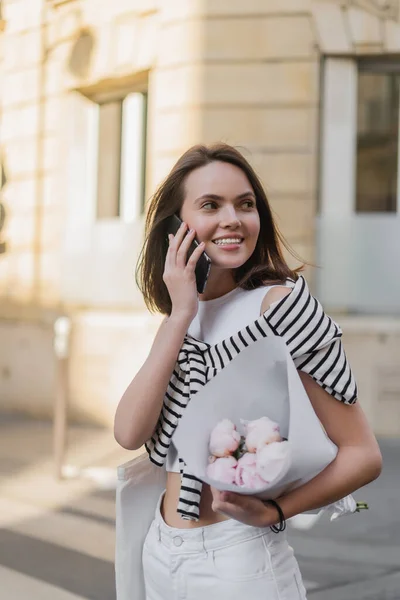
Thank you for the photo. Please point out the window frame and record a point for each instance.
(106, 97)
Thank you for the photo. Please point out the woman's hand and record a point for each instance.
(179, 273)
(246, 509)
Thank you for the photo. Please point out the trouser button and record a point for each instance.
(178, 541)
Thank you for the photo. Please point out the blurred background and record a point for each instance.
(98, 100)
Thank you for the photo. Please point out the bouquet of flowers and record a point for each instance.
(251, 460)
(258, 457)
(267, 432)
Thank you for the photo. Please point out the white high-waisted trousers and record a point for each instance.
(224, 561)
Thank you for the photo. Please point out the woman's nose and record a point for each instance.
(229, 218)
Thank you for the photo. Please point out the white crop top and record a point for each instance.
(217, 320)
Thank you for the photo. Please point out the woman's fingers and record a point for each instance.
(178, 252)
(246, 509)
(179, 248)
(174, 243)
(193, 259)
(182, 253)
(179, 236)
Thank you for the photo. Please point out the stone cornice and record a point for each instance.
(56, 3)
(381, 8)
(356, 27)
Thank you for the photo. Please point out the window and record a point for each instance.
(377, 136)
(121, 157)
(359, 170)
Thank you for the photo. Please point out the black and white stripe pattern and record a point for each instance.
(314, 342)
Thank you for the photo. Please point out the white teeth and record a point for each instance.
(227, 241)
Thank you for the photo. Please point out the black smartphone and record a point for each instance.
(203, 266)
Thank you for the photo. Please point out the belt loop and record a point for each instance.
(203, 540)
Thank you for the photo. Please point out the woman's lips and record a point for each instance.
(229, 245)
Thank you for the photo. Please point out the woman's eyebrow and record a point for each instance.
(209, 197)
(246, 195)
(216, 197)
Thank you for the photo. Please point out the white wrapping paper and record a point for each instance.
(261, 381)
(140, 484)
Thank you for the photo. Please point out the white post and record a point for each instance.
(339, 142)
(62, 331)
(338, 182)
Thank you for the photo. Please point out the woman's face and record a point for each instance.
(219, 203)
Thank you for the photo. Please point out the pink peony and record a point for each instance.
(261, 432)
(273, 460)
(246, 473)
(223, 469)
(224, 439)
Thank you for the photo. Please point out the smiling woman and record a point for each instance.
(210, 185)
(203, 542)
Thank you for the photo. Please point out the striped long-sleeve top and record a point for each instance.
(314, 342)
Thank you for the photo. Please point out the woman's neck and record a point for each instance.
(220, 282)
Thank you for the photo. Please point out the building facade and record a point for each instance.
(98, 101)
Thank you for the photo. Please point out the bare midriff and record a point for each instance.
(170, 503)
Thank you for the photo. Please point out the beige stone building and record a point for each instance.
(99, 98)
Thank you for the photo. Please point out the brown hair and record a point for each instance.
(265, 264)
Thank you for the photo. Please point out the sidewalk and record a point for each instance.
(57, 538)
(357, 557)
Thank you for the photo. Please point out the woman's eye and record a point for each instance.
(249, 203)
(209, 205)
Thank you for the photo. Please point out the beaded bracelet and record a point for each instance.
(282, 521)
